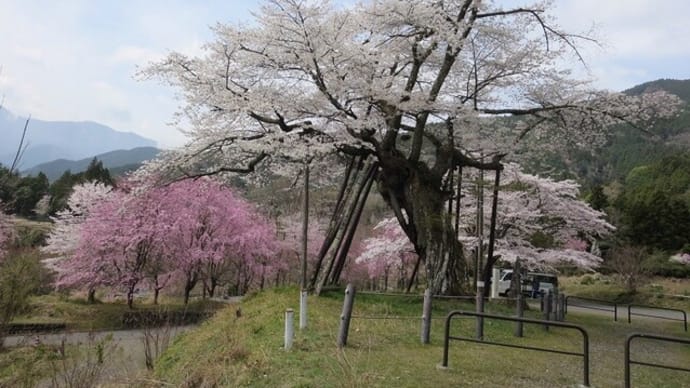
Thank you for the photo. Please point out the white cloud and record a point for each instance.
(135, 55)
(632, 28)
(75, 59)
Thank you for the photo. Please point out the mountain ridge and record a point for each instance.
(50, 140)
(118, 160)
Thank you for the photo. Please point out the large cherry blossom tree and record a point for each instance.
(411, 86)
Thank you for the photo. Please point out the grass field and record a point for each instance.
(666, 292)
(244, 348)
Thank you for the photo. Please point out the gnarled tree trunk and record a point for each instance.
(418, 192)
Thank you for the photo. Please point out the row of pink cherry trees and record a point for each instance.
(199, 232)
(188, 233)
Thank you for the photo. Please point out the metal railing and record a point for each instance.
(684, 320)
(607, 302)
(628, 361)
(585, 338)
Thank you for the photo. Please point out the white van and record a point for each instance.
(547, 282)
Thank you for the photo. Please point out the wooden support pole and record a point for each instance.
(426, 317)
(519, 310)
(346, 315)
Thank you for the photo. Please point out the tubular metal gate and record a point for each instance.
(628, 361)
(585, 338)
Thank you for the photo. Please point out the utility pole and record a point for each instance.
(305, 231)
(480, 226)
(480, 252)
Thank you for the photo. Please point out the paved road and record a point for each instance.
(636, 313)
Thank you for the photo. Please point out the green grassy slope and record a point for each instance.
(236, 351)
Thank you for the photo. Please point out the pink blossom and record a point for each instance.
(529, 204)
(198, 229)
(389, 253)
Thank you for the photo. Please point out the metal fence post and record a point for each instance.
(346, 315)
(426, 317)
(561, 307)
(554, 305)
(615, 312)
(520, 313)
(541, 301)
(547, 308)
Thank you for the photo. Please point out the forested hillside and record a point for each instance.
(628, 148)
(641, 176)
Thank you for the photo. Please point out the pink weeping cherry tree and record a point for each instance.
(214, 234)
(87, 265)
(147, 236)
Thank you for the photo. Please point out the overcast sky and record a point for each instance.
(75, 59)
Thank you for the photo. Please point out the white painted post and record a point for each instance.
(289, 328)
(495, 276)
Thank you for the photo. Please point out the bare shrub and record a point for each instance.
(18, 280)
(80, 366)
(157, 331)
(630, 265)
